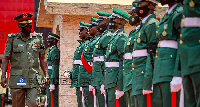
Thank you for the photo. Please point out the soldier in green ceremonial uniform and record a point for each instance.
(114, 60)
(77, 61)
(189, 46)
(127, 61)
(53, 60)
(85, 69)
(24, 50)
(146, 36)
(167, 33)
(98, 58)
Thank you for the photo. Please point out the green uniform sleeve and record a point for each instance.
(177, 23)
(55, 66)
(120, 49)
(151, 38)
(8, 47)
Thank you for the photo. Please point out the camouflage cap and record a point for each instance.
(83, 25)
(52, 35)
(24, 18)
(120, 14)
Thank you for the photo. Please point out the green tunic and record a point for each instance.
(53, 55)
(142, 65)
(127, 63)
(165, 57)
(53, 59)
(24, 56)
(114, 53)
(189, 42)
(84, 77)
(99, 51)
(75, 70)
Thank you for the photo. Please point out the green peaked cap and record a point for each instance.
(52, 35)
(83, 25)
(123, 14)
(134, 4)
(133, 9)
(104, 14)
(93, 22)
(93, 19)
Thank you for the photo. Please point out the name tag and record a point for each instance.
(20, 45)
(21, 81)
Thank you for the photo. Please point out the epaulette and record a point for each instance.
(36, 34)
(152, 21)
(12, 35)
(121, 33)
(179, 9)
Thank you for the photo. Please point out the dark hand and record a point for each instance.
(46, 82)
(2, 96)
(3, 81)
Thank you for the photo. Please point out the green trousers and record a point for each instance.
(191, 85)
(88, 97)
(19, 95)
(79, 96)
(140, 100)
(129, 98)
(100, 97)
(110, 99)
(55, 96)
(161, 96)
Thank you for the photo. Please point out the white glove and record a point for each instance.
(176, 84)
(102, 89)
(91, 88)
(147, 92)
(81, 89)
(67, 75)
(119, 94)
(52, 87)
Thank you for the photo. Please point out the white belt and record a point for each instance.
(77, 62)
(168, 44)
(128, 56)
(112, 64)
(49, 67)
(190, 22)
(140, 53)
(98, 58)
(90, 63)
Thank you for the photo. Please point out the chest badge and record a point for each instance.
(110, 48)
(192, 4)
(164, 33)
(139, 40)
(35, 45)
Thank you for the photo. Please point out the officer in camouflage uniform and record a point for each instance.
(190, 53)
(77, 61)
(53, 60)
(85, 69)
(127, 61)
(24, 50)
(98, 58)
(114, 60)
(168, 32)
(142, 58)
